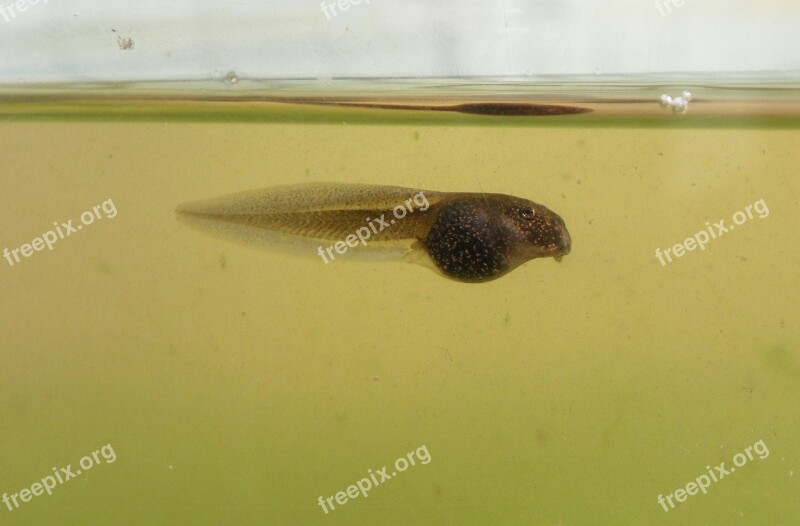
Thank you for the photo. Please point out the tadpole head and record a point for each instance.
(538, 231)
(480, 237)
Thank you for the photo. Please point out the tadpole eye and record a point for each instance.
(526, 212)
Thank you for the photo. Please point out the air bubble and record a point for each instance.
(232, 77)
(678, 104)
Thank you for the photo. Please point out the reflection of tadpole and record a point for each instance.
(511, 109)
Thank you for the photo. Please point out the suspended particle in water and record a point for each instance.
(125, 43)
(232, 77)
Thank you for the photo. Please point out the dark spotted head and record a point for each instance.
(480, 237)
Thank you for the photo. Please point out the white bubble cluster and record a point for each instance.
(678, 104)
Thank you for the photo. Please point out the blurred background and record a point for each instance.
(199, 39)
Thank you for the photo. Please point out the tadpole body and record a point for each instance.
(468, 237)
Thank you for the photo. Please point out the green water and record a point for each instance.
(237, 386)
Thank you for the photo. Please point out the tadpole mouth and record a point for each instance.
(565, 244)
